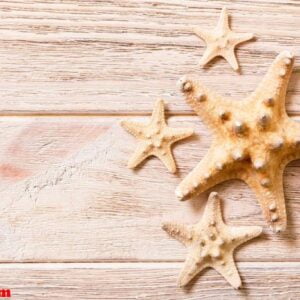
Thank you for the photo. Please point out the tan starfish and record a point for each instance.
(156, 138)
(254, 140)
(222, 41)
(211, 243)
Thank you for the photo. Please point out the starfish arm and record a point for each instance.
(133, 128)
(223, 23)
(158, 114)
(191, 268)
(271, 199)
(180, 232)
(208, 55)
(272, 89)
(140, 154)
(168, 160)
(203, 34)
(211, 170)
(229, 55)
(212, 212)
(242, 234)
(177, 134)
(207, 104)
(229, 272)
(238, 38)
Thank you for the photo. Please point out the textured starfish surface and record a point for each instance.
(254, 139)
(156, 138)
(211, 243)
(221, 41)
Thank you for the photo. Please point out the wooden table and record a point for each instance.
(75, 222)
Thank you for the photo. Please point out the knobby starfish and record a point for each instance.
(254, 140)
(156, 138)
(221, 41)
(211, 243)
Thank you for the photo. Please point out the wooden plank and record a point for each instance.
(146, 281)
(67, 195)
(119, 56)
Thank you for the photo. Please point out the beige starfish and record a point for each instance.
(222, 41)
(254, 140)
(156, 138)
(211, 243)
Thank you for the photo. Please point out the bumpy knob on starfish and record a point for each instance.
(156, 138)
(211, 243)
(254, 140)
(222, 41)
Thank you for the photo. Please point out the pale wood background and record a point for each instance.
(75, 222)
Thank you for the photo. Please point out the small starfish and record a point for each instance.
(254, 140)
(222, 41)
(211, 243)
(156, 138)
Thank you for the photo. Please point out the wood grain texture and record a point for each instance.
(111, 57)
(278, 281)
(66, 194)
(75, 200)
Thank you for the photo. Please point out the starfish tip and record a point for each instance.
(173, 170)
(130, 165)
(184, 84)
(202, 62)
(182, 281)
(237, 285)
(190, 132)
(287, 54)
(224, 9)
(278, 228)
(164, 226)
(179, 194)
(236, 68)
(160, 101)
(257, 231)
(213, 195)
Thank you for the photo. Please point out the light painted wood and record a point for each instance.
(278, 281)
(117, 57)
(67, 195)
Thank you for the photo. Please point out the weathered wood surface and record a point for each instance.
(151, 281)
(66, 195)
(107, 57)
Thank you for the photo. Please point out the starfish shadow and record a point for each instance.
(292, 86)
(289, 235)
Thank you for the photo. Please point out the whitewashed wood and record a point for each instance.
(107, 57)
(66, 195)
(278, 281)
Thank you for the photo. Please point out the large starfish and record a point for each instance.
(221, 41)
(156, 138)
(254, 140)
(211, 243)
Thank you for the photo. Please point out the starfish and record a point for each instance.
(222, 41)
(254, 140)
(156, 138)
(211, 243)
